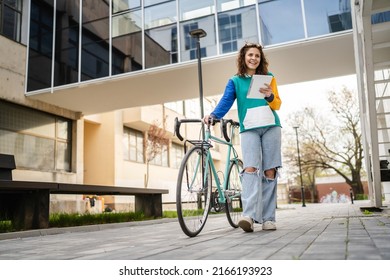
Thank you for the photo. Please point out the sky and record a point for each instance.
(311, 94)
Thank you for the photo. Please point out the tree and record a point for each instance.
(333, 142)
(155, 143)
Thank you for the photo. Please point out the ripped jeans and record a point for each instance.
(261, 151)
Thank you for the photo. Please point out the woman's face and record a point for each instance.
(252, 60)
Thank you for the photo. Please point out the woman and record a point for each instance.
(260, 137)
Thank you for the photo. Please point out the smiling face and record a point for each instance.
(252, 60)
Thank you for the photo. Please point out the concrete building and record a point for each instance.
(81, 81)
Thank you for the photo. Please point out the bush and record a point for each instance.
(5, 226)
(361, 196)
(69, 220)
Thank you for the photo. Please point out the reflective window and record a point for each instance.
(160, 34)
(207, 44)
(127, 42)
(11, 19)
(380, 17)
(324, 17)
(41, 44)
(226, 5)
(234, 28)
(124, 5)
(39, 141)
(95, 40)
(190, 9)
(280, 21)
(67, 43)
(159, 15)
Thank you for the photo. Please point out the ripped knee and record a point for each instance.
(251, 170)
(270, 173)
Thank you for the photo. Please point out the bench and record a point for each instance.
(27, 203)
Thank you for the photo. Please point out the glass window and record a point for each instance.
(160, 34)
(67, 43)
(324, 17)
(127, 42)
(133, 145)
(31, 136)
(280, 21)
(177, 154)
(380, 17)
(153, 2)
(11, 19)
(236, 27)
(207, 44)
(159, 15)
(226, 5)
(190, 9)
(95, 40)
(40, 46)
(124, 5)
(161, 158)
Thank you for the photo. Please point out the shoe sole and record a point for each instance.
(269, 228)
(245, 225)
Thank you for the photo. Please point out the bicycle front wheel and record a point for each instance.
(233, 193)
(192, 196)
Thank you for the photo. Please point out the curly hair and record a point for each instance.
(262, 69)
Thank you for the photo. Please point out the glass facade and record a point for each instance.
(11, 19)
(79, 40)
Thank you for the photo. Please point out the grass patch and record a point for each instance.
(367, 212)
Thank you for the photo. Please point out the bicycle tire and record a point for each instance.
(233, 204)
(192, 200)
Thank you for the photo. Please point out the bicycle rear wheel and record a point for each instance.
(233, 193)
(192, 198)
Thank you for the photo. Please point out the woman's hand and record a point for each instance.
(206, 119)
(267, 91)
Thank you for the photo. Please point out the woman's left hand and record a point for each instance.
(267, 91)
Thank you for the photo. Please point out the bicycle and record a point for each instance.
(194, 182)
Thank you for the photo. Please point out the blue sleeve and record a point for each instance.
(226, 102)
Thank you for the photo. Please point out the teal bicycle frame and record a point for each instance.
(194, 185)
(209, 162)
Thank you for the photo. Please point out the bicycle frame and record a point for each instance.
(194, 184)
(209, 162)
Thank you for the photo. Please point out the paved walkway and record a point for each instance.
(314, 232)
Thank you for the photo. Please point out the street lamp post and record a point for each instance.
(199, 33)
(300, 170)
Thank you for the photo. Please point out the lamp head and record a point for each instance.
(198, 33)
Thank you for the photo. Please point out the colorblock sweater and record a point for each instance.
(252, 113)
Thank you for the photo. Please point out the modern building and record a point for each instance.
(81, 81)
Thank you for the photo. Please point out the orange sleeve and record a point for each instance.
(277, 102)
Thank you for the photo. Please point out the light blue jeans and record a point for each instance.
(261, 149)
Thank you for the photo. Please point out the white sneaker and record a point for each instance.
(269, 225)
(246, 224)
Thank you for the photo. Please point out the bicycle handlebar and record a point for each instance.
(224, 127)
(213, 122)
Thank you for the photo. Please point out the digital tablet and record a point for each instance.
(258, 82)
